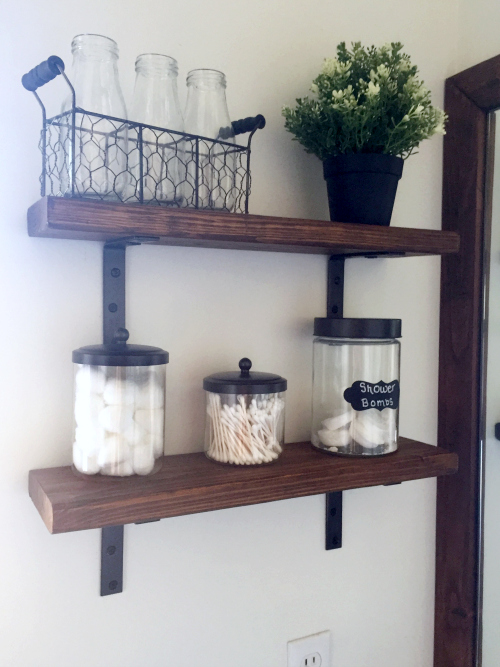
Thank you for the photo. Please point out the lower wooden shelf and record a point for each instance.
(190, 483)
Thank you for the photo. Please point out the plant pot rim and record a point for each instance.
(363, 162)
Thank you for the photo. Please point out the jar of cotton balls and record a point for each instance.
(245, 416)
(119, 408)
(356, 386)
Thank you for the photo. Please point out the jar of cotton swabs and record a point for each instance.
(245, 416)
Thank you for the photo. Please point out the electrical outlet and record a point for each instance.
(311, 651)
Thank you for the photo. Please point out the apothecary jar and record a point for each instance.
(245, 417)
(119, 408)
(356, 386)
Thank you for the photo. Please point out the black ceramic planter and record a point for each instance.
(362, 187)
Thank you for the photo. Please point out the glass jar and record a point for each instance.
(356, 386)
(156, 102)
(245, 422)
(101, 144)
(212, 184)
(119, 408)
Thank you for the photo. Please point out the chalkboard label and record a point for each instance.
(366, 395)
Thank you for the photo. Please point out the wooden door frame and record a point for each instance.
(470, 96)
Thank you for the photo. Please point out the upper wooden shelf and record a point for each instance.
(56, 217)
(190, 483)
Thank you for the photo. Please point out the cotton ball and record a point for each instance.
(121, 469)
(118, 392)
(87, 410)
(151, 420)
(114, 450)
(89, 440)
(150, 396)
(116, 419)
(89, 380)
(135, 435)
(143, 460)
(85, 463)
(157, 443)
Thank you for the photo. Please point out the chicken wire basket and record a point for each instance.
(88, 155)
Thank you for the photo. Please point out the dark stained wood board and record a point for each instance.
(190, 483)
(57, 217)
(469, 97)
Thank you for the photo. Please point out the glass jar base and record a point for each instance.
(242, 465)
(98, 477)
(363, 453)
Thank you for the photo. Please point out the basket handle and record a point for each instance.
(249, 124)
(43, 73)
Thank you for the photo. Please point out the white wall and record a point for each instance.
(229, 587)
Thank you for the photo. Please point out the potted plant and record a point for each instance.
(368, 113)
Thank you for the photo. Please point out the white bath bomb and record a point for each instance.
(338, 438)
(90, 440)
(87, 410)
(150, 420)
(150, 396)
(333, 423)
(122, 469)
(366, 431)
(89, 380)
(115, 418)
(143, 460)
(119, 392)
(135, 435)
(85, 463)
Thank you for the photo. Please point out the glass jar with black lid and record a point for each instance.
(119, 408)
(245, 416)
(356, 386)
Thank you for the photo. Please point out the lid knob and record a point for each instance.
(245, 366)
(120, 336)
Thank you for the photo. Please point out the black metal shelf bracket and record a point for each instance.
(113, 318)
(333, 538)
(334, 308)
(112, 560)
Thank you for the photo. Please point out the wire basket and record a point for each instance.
(87, 155)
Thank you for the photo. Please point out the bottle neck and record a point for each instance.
(95, 75)
(206, 80)
(94, 48)
(156, 66)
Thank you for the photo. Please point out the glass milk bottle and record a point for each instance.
(211, 181)
(156, 102)
(100, 153)
(356, 386)
(119, 408)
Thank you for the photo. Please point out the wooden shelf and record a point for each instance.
(190, 483)
(56, 217)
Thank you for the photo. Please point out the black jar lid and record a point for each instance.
(244, 382)
(350, 327)
(119, 353)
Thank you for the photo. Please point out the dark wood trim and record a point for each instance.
(80, 219)
(190, 483)
(469, 97)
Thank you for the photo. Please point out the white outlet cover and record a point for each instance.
(311, 651)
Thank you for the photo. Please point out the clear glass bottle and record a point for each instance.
(156, 102)
(356, 386)
(101, 145)
(212, 184)
(119, 408)
(245, 422)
